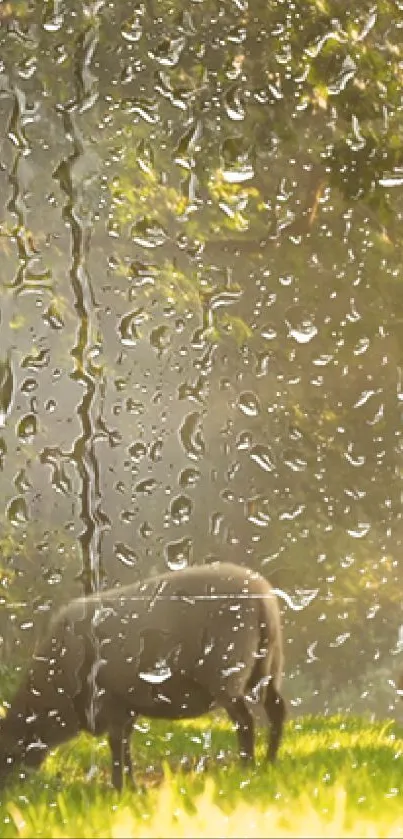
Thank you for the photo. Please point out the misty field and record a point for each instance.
(337, 776)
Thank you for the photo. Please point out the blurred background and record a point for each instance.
(201, 309)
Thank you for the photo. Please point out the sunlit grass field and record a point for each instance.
(337, 776)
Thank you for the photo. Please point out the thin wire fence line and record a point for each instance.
(98, 597)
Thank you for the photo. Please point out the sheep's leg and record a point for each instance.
(275, 708)
(127, 757)
(239, 713)
(116, 746)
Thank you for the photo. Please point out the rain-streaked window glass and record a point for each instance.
(201, 387)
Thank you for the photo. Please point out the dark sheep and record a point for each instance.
(174, 647)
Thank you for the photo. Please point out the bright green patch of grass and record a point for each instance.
(340, 776)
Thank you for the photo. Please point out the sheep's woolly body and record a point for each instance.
(173, 647)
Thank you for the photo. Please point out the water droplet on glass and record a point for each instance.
(354, 460)
(127, 516)
(145, 530)
(269, 332)
(127, 327)
(156, 451)
(53, 317)
(294, 461)
(27, 427)
(322, 360)
(233, 104)
(17, 511)
(310, 653)
(132, 28)
(189, 477)
(258, 510)
(301, 599)
(191, 436)
(249, 404)
(168, 51)
(238, 175)
(178, 554)
(146, 487)
(160, 339)
(21, 481)
(3, 452)
(37, 360)
(361, 530)
(137, 450)
(340, 639)
(244, 441)
(361, 346)
(134, 407)
(347, 72)
(125, 554)
(294, 513)
(365, 396)
(148, 233)
(29, 385)
(6, 388)
(156, 676)
(300, 326)
(197, 391)
(52, 19)
(26, 625)
(181, 509)
(262, 456)
(52, 576)
(216, 522)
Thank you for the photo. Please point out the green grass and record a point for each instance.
(340, 776)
